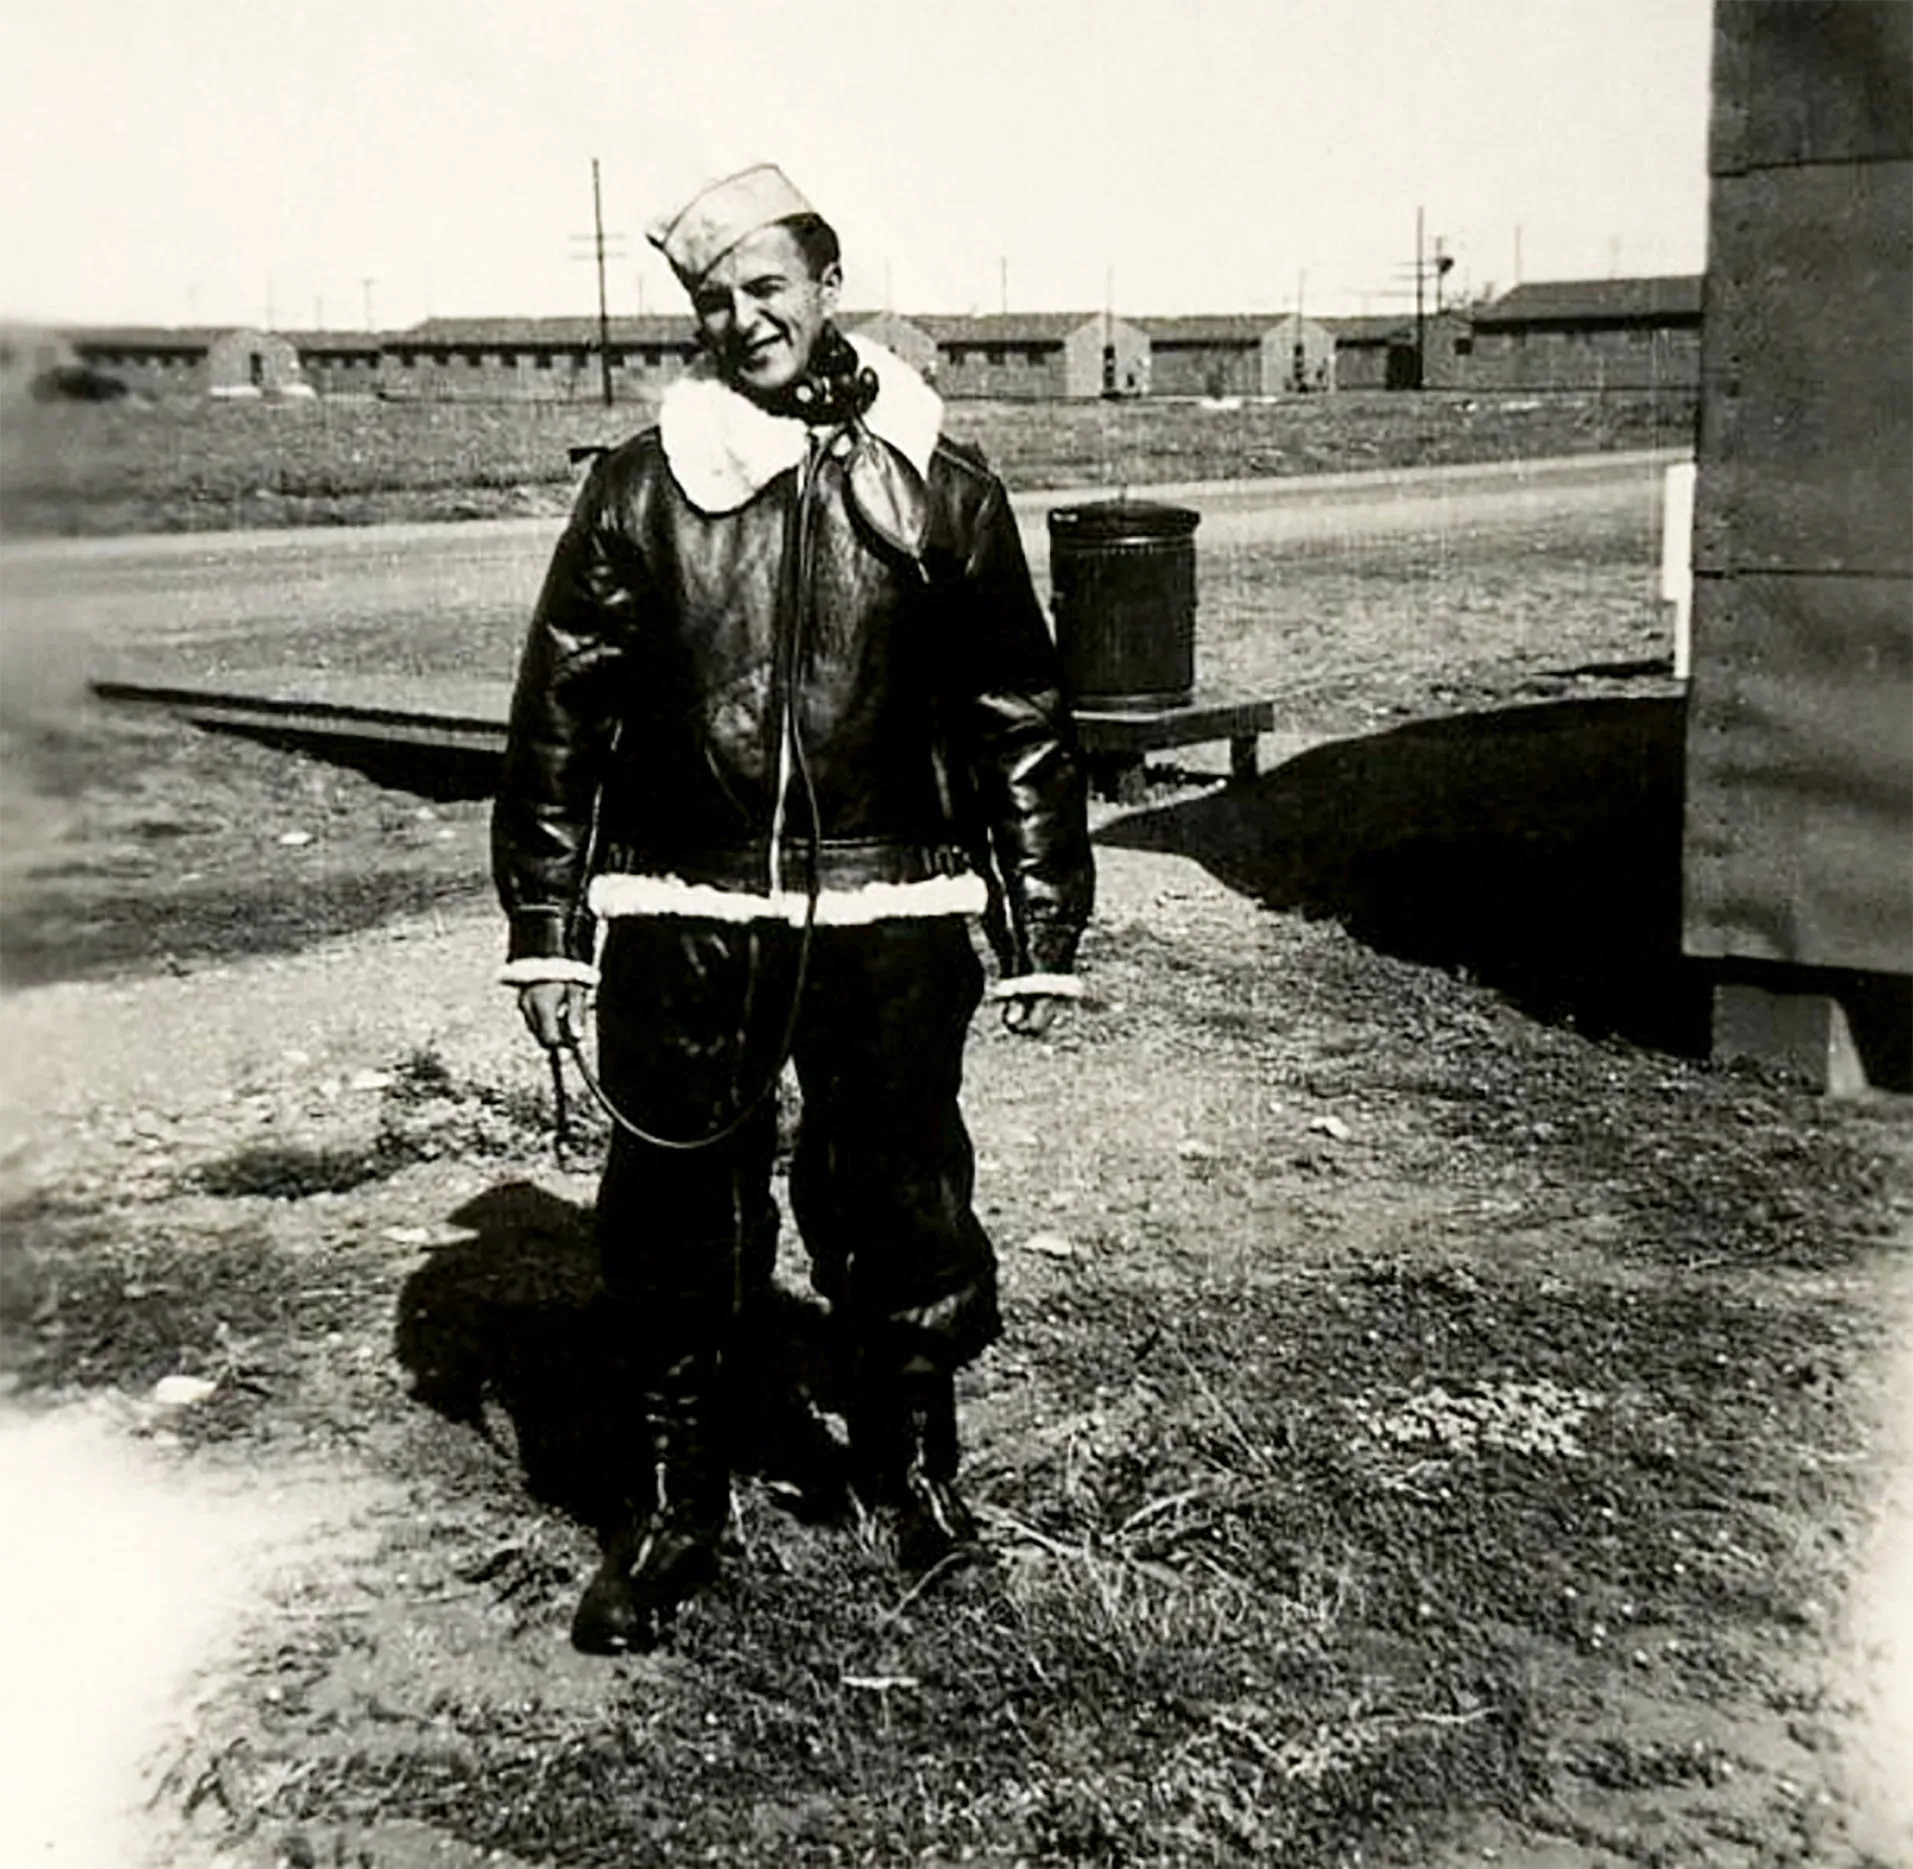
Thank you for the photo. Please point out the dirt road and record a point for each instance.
(189, 599)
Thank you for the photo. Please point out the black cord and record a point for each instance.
(813, 888)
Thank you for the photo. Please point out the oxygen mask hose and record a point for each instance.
(570, 1042)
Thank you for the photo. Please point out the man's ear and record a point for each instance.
(830, 282)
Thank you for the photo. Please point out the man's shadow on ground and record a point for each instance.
(1537, 848)
(515, 1323)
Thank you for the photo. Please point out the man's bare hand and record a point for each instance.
(554, 1010)
(1030, 1015)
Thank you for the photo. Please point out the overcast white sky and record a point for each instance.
(172, 161)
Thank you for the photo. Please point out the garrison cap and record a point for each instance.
(721, 214)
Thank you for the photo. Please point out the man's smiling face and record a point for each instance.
(760, 310)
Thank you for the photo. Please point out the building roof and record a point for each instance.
(1007, 327)
(530, 333)
(365, 342)
(1245, 328)
(1372, 327)
(144, 336)
(1566, 301)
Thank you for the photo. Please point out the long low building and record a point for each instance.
(1590, 334)
(1611, 334)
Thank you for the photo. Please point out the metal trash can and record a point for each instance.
(1123, 587)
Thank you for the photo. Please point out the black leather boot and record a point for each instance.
(903, 1450)
(664, 1547)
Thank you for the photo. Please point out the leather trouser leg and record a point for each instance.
(883, 1183)
(684, 1238)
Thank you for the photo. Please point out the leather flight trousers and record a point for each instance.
(691, 1015)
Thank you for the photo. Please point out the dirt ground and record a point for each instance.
(1443, 1419)
(1424, 1434)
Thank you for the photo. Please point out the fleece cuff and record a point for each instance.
(540, 970)
(1038, 986)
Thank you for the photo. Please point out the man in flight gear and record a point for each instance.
(788, 716)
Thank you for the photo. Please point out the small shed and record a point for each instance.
(901, 336)
(1106, 356)
(1040, 356)
(1296, 356)
(248, 363)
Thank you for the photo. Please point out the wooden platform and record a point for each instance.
(426, 711)
(438, 713)
(1115, 740)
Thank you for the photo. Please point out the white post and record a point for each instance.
(1677, 560)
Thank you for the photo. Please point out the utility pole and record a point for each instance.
(599, 248)
(1421, 321)
(1003, 285)
(604, 310)
(365, 290)
(1299, 362)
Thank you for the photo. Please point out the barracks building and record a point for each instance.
(1609, 334)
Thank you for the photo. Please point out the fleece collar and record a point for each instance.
(722, 447)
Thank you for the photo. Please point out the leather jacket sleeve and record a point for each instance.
(561, 731)
(1013, 728)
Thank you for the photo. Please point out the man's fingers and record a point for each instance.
(554, 1012)
(1031, 1017)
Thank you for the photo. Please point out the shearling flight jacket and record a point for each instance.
(749, 693)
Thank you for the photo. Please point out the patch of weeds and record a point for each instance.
(428, 1114)
(295, 1174)
(1649, 1765)
(117, 1311)
(421, 1076)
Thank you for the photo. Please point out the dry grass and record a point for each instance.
(193, 466)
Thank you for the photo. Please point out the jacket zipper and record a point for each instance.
(787, 642)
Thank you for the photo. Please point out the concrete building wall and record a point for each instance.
(156, 369)
(1372, 362)
(1633, 356)
(1205, 367)
(1023, 371)
(1799, 769)
(532, 372)
(340, 370)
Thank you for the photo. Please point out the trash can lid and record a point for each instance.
(1121, 519)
